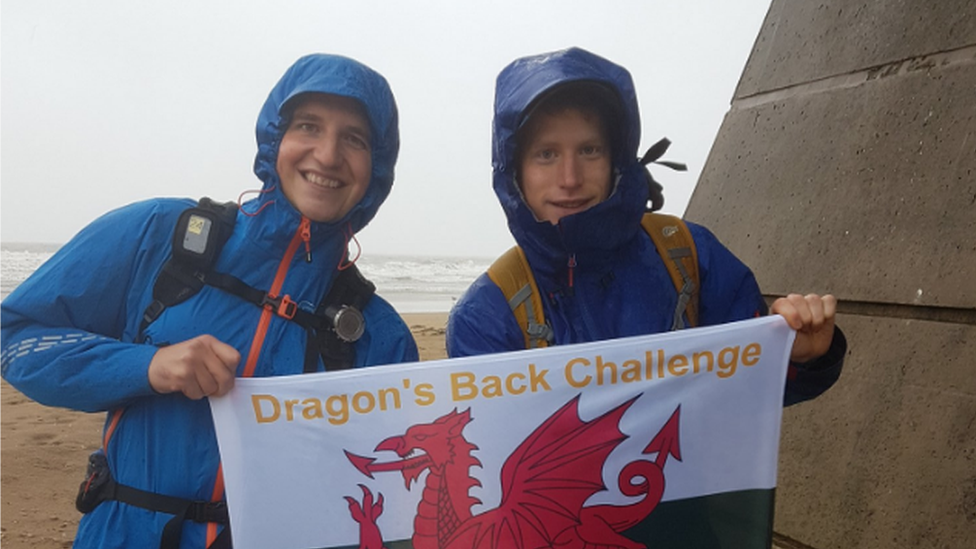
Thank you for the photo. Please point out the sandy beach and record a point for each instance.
(43, 453)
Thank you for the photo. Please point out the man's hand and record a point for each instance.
(198, 367)
(812, 317)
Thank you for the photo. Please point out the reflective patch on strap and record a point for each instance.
(687, 289)
(523, 294)
(537, 332)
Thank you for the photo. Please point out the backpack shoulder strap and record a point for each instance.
(199, 236)
(341, 307)
(675, 245)
(671, 237)
(512, 274)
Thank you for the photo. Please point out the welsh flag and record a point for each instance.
(657, 441)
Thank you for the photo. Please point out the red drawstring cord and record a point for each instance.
(306, 228)
(343, 263)
(88, 484)
(240, 201)
(571, 265)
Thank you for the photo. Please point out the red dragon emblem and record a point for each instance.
(545, 483)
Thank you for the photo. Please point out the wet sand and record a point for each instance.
(43, 452)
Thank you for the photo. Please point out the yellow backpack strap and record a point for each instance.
(511, 273)
(675, 245)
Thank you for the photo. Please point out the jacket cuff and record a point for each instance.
(809, 380)
(832, 358)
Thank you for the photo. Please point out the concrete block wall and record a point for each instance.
(847, 164)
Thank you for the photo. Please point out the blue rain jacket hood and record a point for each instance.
(600, 230)
(336, 75)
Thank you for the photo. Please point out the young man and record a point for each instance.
(87, 331)
(565, 138)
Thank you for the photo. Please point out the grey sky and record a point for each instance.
(107, 102)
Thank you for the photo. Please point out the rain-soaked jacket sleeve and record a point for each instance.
(66, 341)
(482, 323)
(809, 380)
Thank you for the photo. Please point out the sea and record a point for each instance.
(412, 284)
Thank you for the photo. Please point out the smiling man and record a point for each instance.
(324, 160)
(565, 137)
(158, 305)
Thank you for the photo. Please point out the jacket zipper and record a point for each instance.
(571, 265)
(586, 331)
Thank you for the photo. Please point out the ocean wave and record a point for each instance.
(422, 275)
(428, 276)
(18, 264)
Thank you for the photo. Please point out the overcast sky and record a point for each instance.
(107, 102)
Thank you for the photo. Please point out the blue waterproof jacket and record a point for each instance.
(71, 331)
(619, 285)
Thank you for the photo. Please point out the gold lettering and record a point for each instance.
(363, 408)
(338, 408)
(510, 383)
(290, 409)
(631, 371)
(538, 379)
(391, 393)
(751, 354)
(678, 365)
(424, 393)
(312, 408)
(571, 379)
(601, 370)
(258, 410)
(462, 386)
(727, 367)
(696, 360)
(493, 387)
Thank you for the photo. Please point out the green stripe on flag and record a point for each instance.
(734, 520)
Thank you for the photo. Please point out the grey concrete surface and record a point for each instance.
(805, 41)
(864, 179)
(847, 164)
(887, 458)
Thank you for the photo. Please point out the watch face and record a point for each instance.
(348, 324)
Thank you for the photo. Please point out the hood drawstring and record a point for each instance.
(305, 227)
(240, 201)
(350, 236)
(652, 156)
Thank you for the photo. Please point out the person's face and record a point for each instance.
(565, 164)
(324, 161)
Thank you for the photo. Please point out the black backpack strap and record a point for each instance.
(198, 238)
(342, 309)
(99, 486)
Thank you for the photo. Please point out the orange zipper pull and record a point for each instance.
(306, 229)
